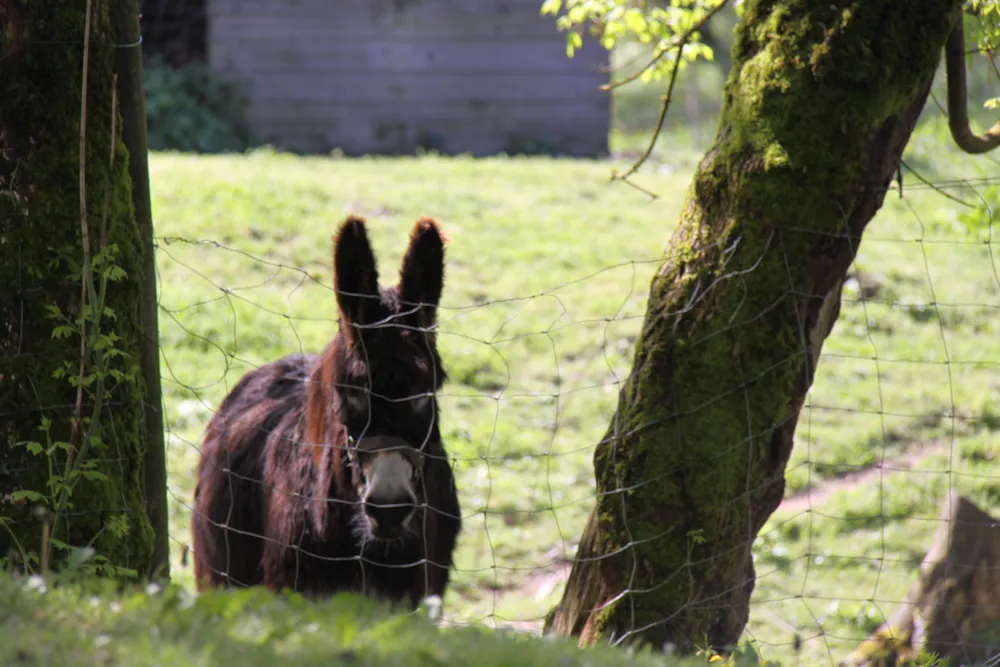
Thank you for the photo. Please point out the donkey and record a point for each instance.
(327, 473)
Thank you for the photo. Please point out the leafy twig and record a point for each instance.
(677, 41)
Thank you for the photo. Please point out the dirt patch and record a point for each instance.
(542, 582)
(821, 492)
(545, 580)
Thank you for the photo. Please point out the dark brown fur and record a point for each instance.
(277, 492)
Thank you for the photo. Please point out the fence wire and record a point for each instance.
(902, 409)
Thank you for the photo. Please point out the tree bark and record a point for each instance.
(41, 264)
(128, 66)
(821, 101)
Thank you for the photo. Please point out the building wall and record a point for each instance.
(388, 76)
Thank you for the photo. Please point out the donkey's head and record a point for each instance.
(387, 373)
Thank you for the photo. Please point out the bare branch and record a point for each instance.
(930, 185)
(958, 104)
(615, 176)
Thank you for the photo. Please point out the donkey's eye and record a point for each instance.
(357, 402)
(421, 403)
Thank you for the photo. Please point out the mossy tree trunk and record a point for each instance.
(42, 260)
(132, 96)
(821, 101)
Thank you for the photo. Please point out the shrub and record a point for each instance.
(86, 623)
(193, 109)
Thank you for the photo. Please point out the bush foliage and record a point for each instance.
(89, 624)
(193, 109)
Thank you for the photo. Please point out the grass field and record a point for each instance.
(547, 273)
(87, 625)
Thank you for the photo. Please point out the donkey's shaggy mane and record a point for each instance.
(280, 482)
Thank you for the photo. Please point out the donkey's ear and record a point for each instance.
(355, 275)
(422, 275)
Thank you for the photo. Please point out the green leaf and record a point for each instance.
(551, 7)
(636, 22)
(984, 216)
(59, 544)
(78, 557)
(94, 476)
(59, 445)
(63, 331)
(578, 14)
(573, 42)
(30, 445)
(27, 494)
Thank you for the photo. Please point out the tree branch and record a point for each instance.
(664, 106)
(958, 104)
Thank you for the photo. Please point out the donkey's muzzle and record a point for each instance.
(393, 464)
(388, 517)
(373, 444)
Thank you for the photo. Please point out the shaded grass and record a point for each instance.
(548, 270)
(89, 626)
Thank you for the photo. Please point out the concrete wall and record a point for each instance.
(387, 76)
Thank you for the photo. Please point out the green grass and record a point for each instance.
(547, 274)
(548, 267)
(69, 626)
(833, 573)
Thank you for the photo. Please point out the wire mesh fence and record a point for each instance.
(537, 328)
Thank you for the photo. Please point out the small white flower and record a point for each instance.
(432, 605)
(37, 582)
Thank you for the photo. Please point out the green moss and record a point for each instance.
(40, 265)
(813, 83)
